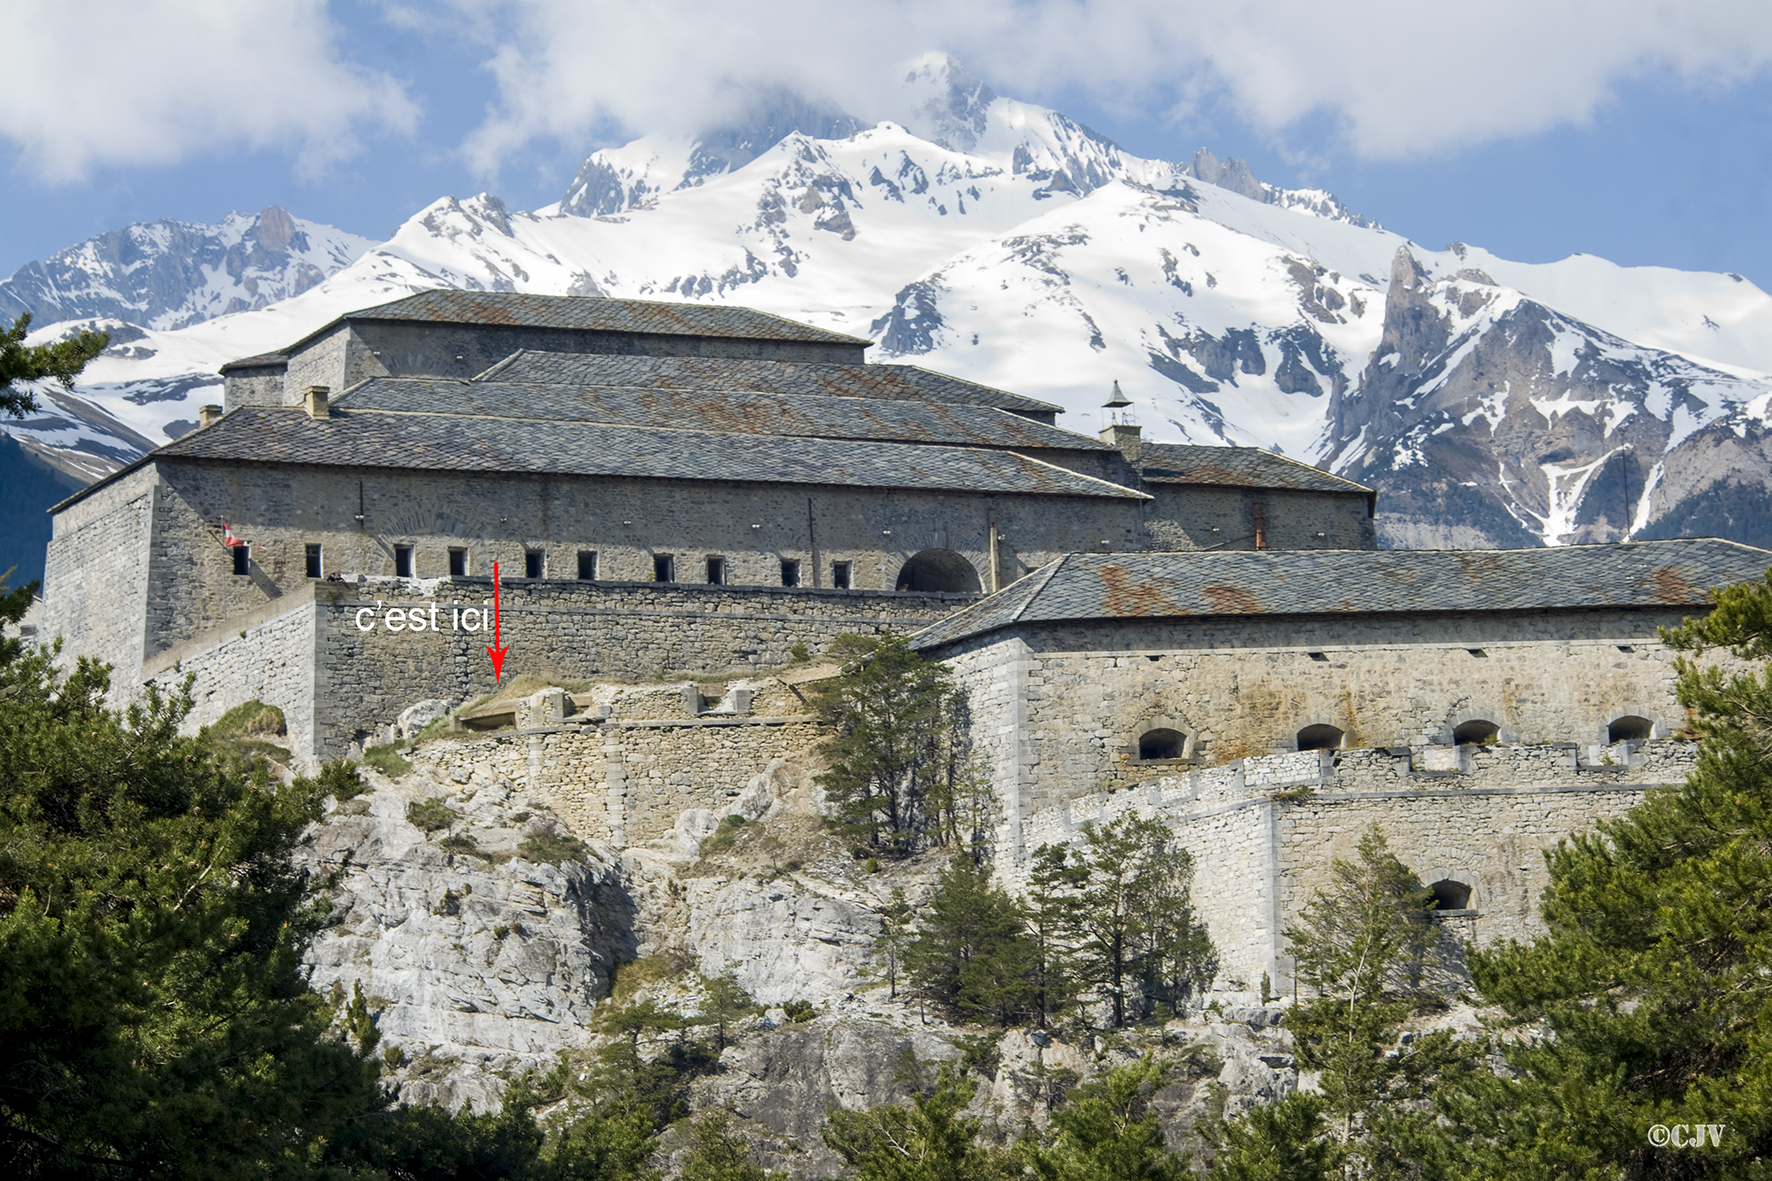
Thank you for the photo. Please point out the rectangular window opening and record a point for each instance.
(662, 568)
(241, 557)
(403, 561)
(1317, 655)
(716, 571)
(840, 574)
(587, 565)
(1476, 652)
(790, 572)
(313, 561)
(534, 564)
(458, 563)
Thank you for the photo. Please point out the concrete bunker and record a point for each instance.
(940, 571)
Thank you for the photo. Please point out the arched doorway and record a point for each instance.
(1451, 895)
(1161, 744)
(940, 571)
(1480, 731)
(1629, 727)
(1319, 738)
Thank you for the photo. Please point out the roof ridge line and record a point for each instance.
(1080, 475)
(1051, 573)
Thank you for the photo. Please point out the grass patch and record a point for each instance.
(464, 844)
(628, 979)
(550, 846)
(246, 732)
(430, 815)
(386, 759)
(435, 728)
(725, 836)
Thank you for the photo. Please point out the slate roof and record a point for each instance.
(725, 411)
(432, 442)
(515, 309)
(794, 378)
(1240, 467)
(1078, 587)
(258, 361)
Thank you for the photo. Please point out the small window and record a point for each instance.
(403, 561)
(587, 565)
(241, 557)
(1629, 729)
(1319, 738)
(716, 571)
(1477, 652)
(1160, 744)
(313, 561)
(534, 565)
(1479, 731)
(663, 568)
(458, 563)
(1319, 656)
(790, 572)
(840, 574)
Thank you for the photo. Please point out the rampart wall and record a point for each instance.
(361, 675)
(1265, 831)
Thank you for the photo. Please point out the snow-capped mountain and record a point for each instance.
(1004, 242)
(170, 274)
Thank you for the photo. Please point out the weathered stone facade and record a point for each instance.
(324, 654)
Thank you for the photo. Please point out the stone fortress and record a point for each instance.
(1207, 634)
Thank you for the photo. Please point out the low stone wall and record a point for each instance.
(1265, 832)
(326, 656)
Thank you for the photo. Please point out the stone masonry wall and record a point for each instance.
(1265, 831)
(626, 523)
(1208, 516)
(95, 584)
(1245, 687)
(359, 680)
(625, 781)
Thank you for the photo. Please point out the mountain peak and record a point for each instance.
(948, 105)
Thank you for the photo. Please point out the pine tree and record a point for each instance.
(725, 1001)
(61, 361)
(1107, 1131)
(896, 751)
(928, 1141)
(1050, 910)
(1132, 924)
(894, 939)
(971, 956)
(717, 1153)
(1652, 991)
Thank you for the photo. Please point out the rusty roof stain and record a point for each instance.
(1083, 587)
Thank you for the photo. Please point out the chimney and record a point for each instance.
(208, 415)
(315, 398)
(1124, 435)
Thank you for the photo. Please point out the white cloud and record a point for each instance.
(1400, 77)
(131, 82)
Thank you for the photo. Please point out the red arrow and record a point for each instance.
(497, 653)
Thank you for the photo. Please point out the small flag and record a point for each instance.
(228, 537)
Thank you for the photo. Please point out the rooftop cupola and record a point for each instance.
(1121, 428)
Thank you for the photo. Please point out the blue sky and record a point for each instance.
(1629, 129)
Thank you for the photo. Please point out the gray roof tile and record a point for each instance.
(1240, 467)
(730, 411)
(431, 442)
(515, 309)
(1677, 573)
(799, 378)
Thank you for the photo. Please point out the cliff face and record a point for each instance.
(483, 959)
